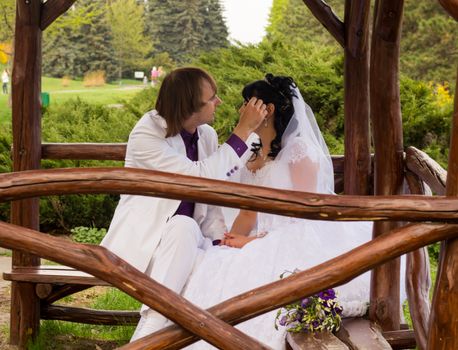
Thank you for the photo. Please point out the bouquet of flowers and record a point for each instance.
(320, 312)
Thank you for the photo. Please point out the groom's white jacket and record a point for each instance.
(138, 222)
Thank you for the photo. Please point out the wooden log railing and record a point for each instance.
(248, 305)
(427, 169)
(174, 186)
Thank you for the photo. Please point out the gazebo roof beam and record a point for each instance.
(323, 12)
(52, 9)
(451, 6)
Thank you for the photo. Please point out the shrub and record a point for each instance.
(79, 121)
(65, 81)
(88, 235)
(95, 78)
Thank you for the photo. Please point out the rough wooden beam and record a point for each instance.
(451, 6)
(401, 340)
(92, 151)
(443, 333)
(418, 283)
(268, 200)
(328, 274)
(356, 94)
(90, 316)
(357, 27)
(418, 278)
(26, 118)
(427, 169)
(323, 12)
(385, 109)
(52, 9)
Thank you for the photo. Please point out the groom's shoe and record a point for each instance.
(148, 324)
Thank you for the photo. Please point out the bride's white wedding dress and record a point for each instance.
(290, 244)
(303, 164)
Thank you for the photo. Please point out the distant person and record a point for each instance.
(5, 81)
(161, 236)
(145, 80)
(154, 76)
(161, 72)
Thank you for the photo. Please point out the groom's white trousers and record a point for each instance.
(171, 265)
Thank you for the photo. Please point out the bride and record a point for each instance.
(291, 154)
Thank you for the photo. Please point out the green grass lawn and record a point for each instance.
(108, 94)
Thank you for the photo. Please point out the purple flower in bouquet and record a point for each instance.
(327, 294)
(299, 315)
(316, 313)
(305, 302)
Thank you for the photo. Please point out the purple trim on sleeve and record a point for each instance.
(237, 144)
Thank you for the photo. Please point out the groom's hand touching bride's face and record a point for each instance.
(252, 114)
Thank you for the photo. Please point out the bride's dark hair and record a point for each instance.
(279, 91)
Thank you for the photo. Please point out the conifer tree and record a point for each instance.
(79, 41)
(183, 28)
(215, 29)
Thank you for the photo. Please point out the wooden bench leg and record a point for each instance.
(25, 322)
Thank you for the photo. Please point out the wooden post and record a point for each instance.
(388, 144)
(443, 331)
(357, 132)
(26, 87)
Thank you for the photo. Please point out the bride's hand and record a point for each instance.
(235, 240)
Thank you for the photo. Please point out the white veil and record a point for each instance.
(302, 140)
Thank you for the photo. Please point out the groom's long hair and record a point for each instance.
(180, 96)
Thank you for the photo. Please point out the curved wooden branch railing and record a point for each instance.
(418, 277)
(35, 183)
(100, 262)
(147, 182)
(427, 169)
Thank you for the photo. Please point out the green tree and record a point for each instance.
(80, 41)
(429, 45)
(7, 16)
(182, 29)
(214, 26)
(291, 20)
(126, 19)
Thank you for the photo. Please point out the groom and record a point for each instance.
(161, 236)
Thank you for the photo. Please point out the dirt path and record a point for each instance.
(5, 297)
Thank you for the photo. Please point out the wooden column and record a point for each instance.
(356, 76)
(26, 87)
(388, 144)
(443, 331)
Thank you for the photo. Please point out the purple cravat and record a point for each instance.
(190, 143)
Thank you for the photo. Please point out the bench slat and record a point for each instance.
(54, 274)
(90, 316)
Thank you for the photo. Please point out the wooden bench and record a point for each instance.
(354, 333)
(54, 282)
